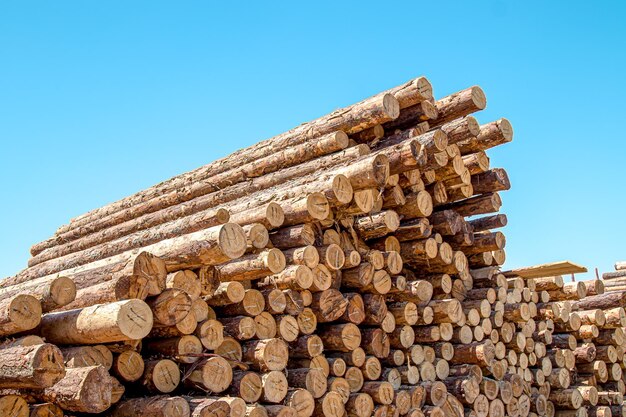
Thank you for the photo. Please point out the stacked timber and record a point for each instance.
(347, 266)
(618, 277)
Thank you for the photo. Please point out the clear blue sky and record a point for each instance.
(101, 99)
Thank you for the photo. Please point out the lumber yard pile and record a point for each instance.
(347, 267)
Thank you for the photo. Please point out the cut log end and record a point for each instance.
(232, 240)
(135, 319)
(24, 312)
(391, 106)
(478, 98)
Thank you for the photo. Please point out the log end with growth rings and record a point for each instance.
(391, 106)
(62, 291)
(135, 319)
(478, 97)
(317, 206)
(25, 311)
(232, 240)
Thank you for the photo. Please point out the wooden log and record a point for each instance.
(31, 367)
(491, 134)
(458, 105)
(19, 313)
(158, 406)
(124, 320)
(52, 292)
(78, 356)
(205, 247)
(83, 390)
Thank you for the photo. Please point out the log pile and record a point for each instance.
(349, 266)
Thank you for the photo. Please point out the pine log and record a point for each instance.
(159, 406)
(84, 390)
(105, 323)
(205, 247)
(52, 292)
(32, 367)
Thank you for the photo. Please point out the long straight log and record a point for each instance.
(105, 323)
(350, 120)
(52, 292)
(205, 247)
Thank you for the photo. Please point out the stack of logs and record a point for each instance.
(617, 278)
(349, 266)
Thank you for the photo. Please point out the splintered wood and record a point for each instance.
(347, 267)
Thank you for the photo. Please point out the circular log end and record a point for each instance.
(230, 349)
(275, 260)
(332, 405)
(276, 354)
(446, 253)
(258, 235)
(335, 258)
(63, 291)
(380, 167)
(478, 97)
(135, 319)
(232, 240)
(424, 89)
(153, 269)
(13, 405)
(341, 139)
(176, 407)
(440, 140)
(217, 374)
(317, 206)
(430, 248)
(506, 129)
(222, 215)
(391, 106)
(25, 311)
(429, 110)
(424, 203)
(351, 336)
(472, 125)
(275, 215)
(342, 189)
(129, 366)
(275, 386)
(265, 325)
(187, 347)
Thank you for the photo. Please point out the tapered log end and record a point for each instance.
(135, 319)
(341, 140)
(232, 240)
(25, 311)
(478, 97)
(391, 106)
(258, 235)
